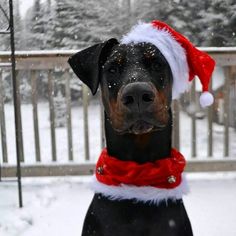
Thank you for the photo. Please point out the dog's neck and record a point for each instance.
(140, 148)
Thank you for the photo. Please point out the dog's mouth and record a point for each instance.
(140, 127)
(143, 127)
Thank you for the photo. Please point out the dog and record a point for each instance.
(138, 180)
(136, 86)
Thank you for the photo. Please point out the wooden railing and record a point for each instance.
(47, 61)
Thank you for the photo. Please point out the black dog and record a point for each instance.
(136, 85)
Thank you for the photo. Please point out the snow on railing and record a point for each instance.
(68, 150)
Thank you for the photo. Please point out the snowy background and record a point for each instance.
(57, 206)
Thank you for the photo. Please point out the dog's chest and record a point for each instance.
(123, 218)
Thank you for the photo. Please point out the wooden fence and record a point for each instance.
(48, 61)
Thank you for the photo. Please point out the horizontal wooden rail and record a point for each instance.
(88, 169)
(39, 60)
(49, 170)
(211, 165)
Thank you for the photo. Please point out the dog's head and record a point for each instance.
(135, 82)
(138, 79)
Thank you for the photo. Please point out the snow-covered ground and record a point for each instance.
(95, 135)
(57, 206)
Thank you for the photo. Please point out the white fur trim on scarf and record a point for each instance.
(146, 194)
(169, 47)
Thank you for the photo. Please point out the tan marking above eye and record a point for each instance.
(149, 54)
(119, 60)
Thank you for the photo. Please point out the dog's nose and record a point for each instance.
(137, 96)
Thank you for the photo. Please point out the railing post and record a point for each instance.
(52, 114)
(68, 115)
(210, 127)
(20, 135)
(193, 116)
(226, 110)
(35, 115)
(175, 133)
(2, 122)
(85, 116)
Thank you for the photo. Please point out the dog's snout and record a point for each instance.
(137, 96)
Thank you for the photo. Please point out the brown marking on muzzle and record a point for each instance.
(116, 114)
(161, 104)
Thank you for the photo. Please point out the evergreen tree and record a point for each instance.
(4, 16)
(67, 24)
(4, 24)
(35, 23)
(18, 25)
(49, 18)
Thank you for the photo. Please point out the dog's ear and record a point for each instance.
(87, 63)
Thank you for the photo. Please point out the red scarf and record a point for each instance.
(164, 173)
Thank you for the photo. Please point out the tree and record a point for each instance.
(35, 26)
(68, 24)
(18, 25)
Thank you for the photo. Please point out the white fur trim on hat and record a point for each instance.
(169, 47)
(146, 194)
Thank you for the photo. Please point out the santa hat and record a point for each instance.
(185, 60)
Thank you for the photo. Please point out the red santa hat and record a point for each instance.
(185, 60)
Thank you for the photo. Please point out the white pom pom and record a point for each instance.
(206, 99)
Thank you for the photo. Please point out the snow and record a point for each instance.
(72, 51)
(25, 5)
(211, 206)
(51, 207)
(217, 49)
(57, 206)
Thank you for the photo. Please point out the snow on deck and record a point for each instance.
(57, 206)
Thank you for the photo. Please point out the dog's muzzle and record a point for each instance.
(139, 102)
(137, 97)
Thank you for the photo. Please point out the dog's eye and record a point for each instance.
(113, 70)
(162, 80)
(156, 66)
